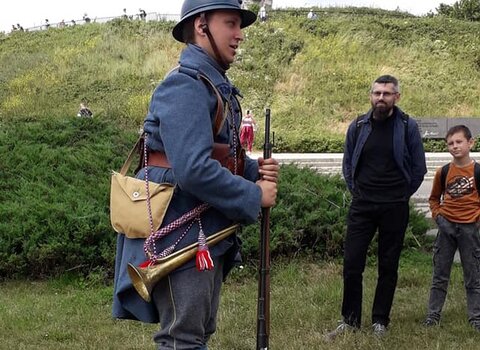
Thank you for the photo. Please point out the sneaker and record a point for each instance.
(430, 322)
(379, 330)
(342, 328)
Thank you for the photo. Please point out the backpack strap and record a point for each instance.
(405, 118)
(476, 175)
(443, 177)
(358, 124)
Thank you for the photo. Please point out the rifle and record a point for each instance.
(263, 309)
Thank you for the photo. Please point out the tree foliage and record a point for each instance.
(464, 9)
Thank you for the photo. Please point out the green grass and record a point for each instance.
(305, 303)
(314, 75)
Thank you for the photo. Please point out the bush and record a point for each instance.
(54, 212)
(310, 218)
(55, 195)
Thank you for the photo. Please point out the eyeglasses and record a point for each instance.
(385, 93)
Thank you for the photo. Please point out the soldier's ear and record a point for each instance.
(200, 26)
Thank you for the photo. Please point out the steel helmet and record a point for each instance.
(191, 8)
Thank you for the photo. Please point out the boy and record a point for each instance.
(455, 207)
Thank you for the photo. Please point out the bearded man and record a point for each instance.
(383, 165)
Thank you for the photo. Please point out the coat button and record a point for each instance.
(135, 194)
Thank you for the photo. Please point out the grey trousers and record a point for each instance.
(187, 303)
(466, 238)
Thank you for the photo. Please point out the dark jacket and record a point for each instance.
(409, 157)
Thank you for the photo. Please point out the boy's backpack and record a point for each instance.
(361, 119)
(476, 176)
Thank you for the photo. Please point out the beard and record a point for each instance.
(382, 111)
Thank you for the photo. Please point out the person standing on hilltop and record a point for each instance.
(383, 166)
(192, 141)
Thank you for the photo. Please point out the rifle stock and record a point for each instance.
(263, 309)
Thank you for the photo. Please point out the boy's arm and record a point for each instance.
(436, 194)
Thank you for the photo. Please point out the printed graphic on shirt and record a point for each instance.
(460, 186)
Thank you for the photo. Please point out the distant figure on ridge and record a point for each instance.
(84, 111)
(142, 14)
(262, 14)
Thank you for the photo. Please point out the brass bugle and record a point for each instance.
(145, 278)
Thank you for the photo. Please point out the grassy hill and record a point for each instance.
(314, 75)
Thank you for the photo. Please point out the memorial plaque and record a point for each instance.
(432, 128)
(436, 128)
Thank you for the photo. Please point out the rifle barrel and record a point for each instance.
(263, 310)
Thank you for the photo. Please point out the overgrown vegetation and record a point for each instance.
(314, 75)
(55, 212)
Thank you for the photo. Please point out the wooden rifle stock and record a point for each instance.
(263, 309)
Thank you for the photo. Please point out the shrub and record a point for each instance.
(310, 218)
(54, 212)
(55, 194)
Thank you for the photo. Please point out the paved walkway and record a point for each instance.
(331, 163)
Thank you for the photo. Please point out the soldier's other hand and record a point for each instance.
(268, 169)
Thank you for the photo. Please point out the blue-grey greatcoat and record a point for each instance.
(179, 123)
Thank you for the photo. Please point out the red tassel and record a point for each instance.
(204, 260)
(146, 264)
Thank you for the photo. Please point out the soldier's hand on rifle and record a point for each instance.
(269, 193)
(268, 169)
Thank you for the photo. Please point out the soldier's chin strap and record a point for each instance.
(206, 30)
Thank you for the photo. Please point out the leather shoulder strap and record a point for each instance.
(131, 154)
(219, 115)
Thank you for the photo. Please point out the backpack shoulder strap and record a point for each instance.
(405, 118)
(358, 124)
(476, 176)
(443, 176)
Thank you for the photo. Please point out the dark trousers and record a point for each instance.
(466, 238)
(364, 219)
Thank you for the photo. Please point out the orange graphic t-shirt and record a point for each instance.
(460, 202)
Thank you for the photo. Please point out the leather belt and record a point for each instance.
(220, 152)
(158, 159)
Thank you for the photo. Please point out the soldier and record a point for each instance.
(183, 140)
